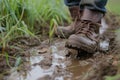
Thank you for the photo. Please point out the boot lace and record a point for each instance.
(88, 28)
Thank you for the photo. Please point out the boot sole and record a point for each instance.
(79, 45)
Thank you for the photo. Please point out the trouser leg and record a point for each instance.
(98, 5)
(72, 2)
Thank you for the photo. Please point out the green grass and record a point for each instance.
(29, 17)
(117, 77)
(114, 6)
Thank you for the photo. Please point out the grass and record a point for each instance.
(113, 6)
(29, 17)
(117, 77)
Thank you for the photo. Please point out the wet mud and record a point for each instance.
(45, 61)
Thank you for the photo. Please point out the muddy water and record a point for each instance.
(50, 63)
(78, 70)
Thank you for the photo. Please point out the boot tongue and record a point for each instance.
(90, 15)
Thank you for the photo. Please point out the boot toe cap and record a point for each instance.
(82, 42)
(81, 39)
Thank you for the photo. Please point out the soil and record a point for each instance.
(41, 60)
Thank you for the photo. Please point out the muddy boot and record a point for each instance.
(65, 32)
(87, 32)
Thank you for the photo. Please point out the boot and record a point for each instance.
(87, 32)
(65, 32)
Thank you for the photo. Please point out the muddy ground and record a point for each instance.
(32, 59)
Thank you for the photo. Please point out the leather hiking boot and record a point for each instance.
(87, 32)
(65, 32)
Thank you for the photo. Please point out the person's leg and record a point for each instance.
(73, 6)
(87, 33)
(93, 9)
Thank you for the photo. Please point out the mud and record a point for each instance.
(45, 61)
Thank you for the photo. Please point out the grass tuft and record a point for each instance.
(29, 17)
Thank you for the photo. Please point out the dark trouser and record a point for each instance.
(98, 5)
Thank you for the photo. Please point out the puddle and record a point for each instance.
(78, 70)
(60, 68)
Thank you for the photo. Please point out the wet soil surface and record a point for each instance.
(51, 63)
(44, 61)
